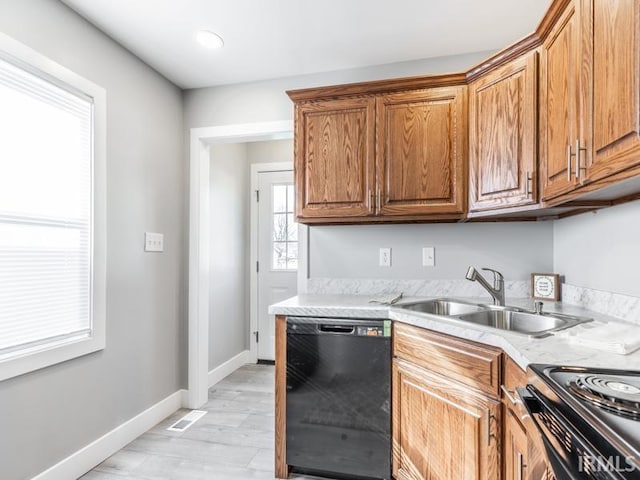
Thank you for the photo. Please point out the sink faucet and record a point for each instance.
(539, 306)
(497, 291)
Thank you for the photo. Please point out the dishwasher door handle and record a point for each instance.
(328, 328)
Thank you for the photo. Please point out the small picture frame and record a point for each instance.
(545, 286)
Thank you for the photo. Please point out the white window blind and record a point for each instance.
(45, 211)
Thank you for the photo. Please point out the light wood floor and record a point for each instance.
(234, 440)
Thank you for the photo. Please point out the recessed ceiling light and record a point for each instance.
(209, 39)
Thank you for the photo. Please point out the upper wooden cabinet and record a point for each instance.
(559, 114)
(590, 95)
(503, 112)
(382, 157)
(421, 151)
(612, 54)
(551, 119)
(334, 158)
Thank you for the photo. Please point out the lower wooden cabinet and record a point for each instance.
(456, 418)
(441, 430)
(515, 448)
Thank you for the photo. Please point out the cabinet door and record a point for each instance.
(503, 136)
(559, 84)
(421, 152)
(612, 44)
(334, 163)
(440, 430)
(516, 448)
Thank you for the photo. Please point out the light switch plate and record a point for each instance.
(385, 257)
(428, 257)
(153, 242)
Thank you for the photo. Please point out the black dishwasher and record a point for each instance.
(338, 397)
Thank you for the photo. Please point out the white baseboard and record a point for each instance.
(229, 367)
(80, 462)
(85, 459)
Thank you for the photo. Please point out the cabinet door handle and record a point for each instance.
(520, 466)
(527, 185)
(579, 168)
(489, 434)
(569, 155)
(379, 201)
(370, 202)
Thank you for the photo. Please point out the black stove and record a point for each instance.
(589, 420)
(618, 394)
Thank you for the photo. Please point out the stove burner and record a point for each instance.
(614, 394)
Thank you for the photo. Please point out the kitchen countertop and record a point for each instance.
(554, 349)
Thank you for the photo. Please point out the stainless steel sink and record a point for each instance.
(444, 307)
(531, 324)
(511, 319)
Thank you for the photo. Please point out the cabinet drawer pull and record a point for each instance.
(509, 395)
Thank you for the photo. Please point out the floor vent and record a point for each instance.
(189, 419)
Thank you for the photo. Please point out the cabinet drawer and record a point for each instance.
(514, 376)
(474, 365)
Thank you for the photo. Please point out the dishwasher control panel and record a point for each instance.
(370, 331)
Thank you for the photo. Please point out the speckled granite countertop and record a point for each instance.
(554, 349)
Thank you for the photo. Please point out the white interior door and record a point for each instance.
(277, 252)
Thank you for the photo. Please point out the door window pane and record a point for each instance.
(292, 228)
(280, 227)
(279, 255)
(279, 198)
(285, 228)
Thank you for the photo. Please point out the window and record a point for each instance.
(285, 229)
(51, 213)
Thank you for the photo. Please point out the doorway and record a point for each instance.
(199, 242)
(277, 256)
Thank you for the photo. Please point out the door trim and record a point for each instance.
(256, 169)
(198, 289)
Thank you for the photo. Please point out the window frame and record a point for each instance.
(57, 351)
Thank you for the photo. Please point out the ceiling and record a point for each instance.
(278, 38)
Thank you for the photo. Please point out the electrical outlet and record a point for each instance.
(428, 256)
(153, 242)
(385, 257)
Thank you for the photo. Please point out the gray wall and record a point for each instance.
(600, 250)
(516, 249)
(272, 151)
(230, 252)
(229, 260)
(49, 414)
(267, 101)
